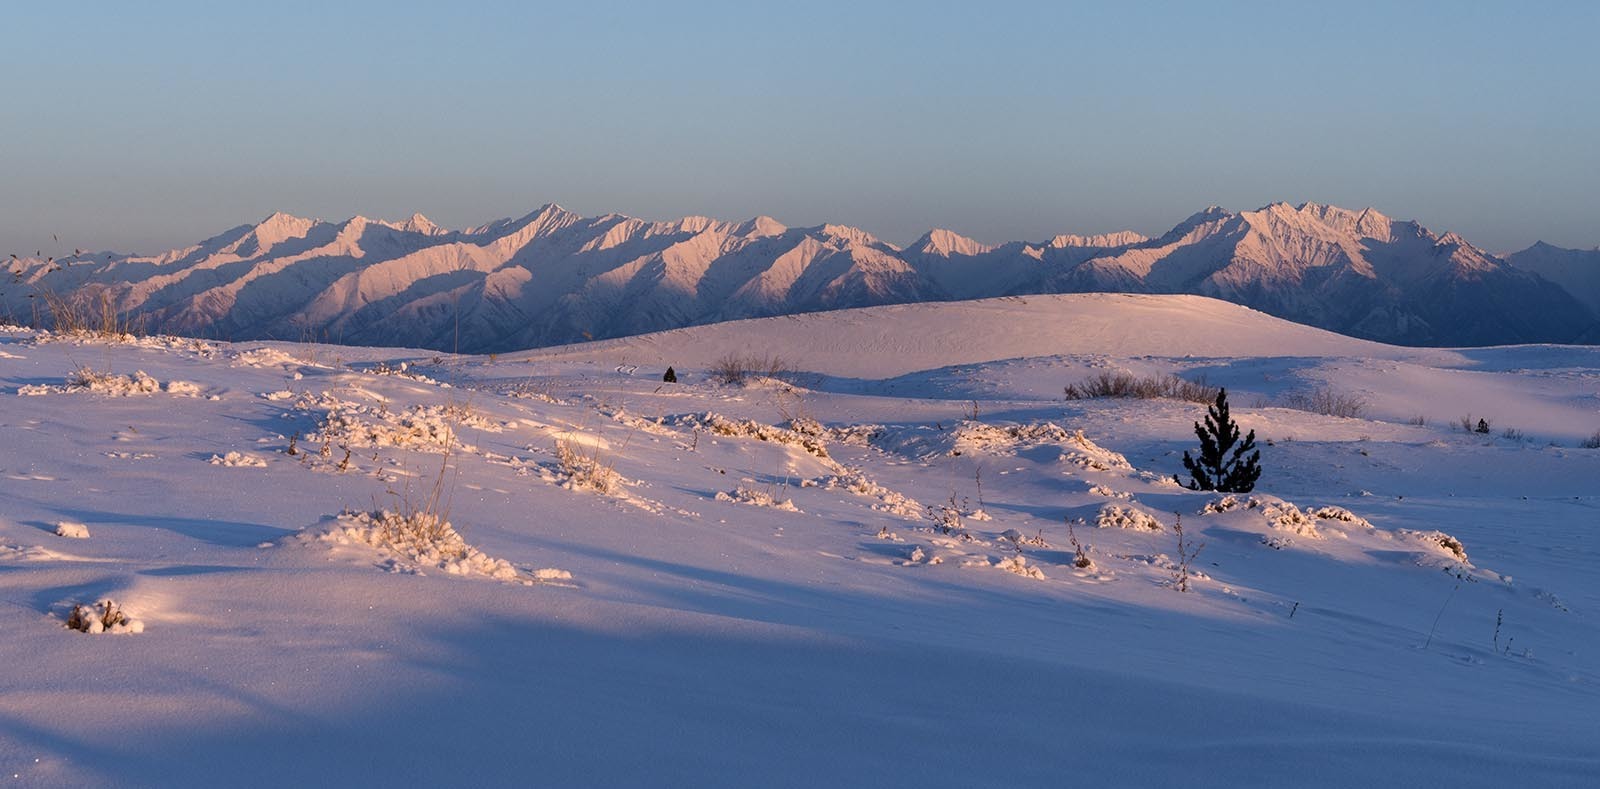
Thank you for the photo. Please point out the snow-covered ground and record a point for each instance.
(862, 575)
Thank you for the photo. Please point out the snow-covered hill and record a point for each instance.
(554, 277)
(861, 574)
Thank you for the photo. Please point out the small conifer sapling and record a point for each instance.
(1226, 463)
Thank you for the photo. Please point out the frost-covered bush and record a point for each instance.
(720, 425)
(1592, 442)
(416, 540)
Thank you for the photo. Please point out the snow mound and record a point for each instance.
(1086, 454)
(72, 529)
(720, 425)
(853, 435)
(973, 437)
(551, 575)
(1435, 542)
(237, 460)
(264, 357)
(93, 381)
(411, 544)
(759, 498)
(1116, 516)
(350, 424)
(1284, 516)
(1016, 564)
(1110, 493)
(968, 438)
(888, 501)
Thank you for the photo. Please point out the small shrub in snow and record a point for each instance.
(947, 518)
(1592, 442)
(1187, 551)
(1216, 469)
(1114, 516)
(1512, 434)
(102, 617)
(72, 529)
(1080, 552)
(586, 469)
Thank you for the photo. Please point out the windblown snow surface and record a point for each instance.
(861, 574)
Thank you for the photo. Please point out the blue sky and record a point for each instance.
(142, 128)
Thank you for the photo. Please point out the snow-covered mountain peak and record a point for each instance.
(695, 224)
(279, 227)
(946, 243)
(761, 226)
(852, 235)
(1365, 222)
(421, 224)
(1120, 238)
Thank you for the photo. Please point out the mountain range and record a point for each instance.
(554, 277)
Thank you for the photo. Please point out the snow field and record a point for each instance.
(1396, 603)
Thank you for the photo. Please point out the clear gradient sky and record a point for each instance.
(140, 127)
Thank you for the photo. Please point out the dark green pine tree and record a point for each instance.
(1218, 468)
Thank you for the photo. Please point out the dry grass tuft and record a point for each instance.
(1127, 385)
(736, 368)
